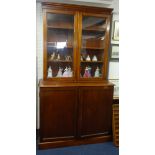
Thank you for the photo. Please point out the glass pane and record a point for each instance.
(60, 37)
(92, 50)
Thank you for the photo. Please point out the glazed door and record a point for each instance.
(93, 47)
(58, 110)
(95, 114)
(59, 45)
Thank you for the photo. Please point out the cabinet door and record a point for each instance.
(58, 113)
(59, 45)
(95, 111)
(94, 47)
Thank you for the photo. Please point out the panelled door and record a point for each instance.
(58, 113)
(95, 115)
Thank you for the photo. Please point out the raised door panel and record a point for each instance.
(95, 111)
(58, 114)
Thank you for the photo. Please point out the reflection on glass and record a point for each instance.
(60, 38)
(92, 50)
(61, 45)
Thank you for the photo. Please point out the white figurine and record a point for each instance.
(70, 73)
(65, 74)
(59, 74)
(58, 57)
(97, 72)
(86, 73)
(88, 58)
(81, 58)
(49, 72)
(68, 58)
(94, 58)
(52, 56)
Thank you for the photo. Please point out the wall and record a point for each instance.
(39, 47)
(113, 66)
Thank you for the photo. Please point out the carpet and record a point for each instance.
(107, 148)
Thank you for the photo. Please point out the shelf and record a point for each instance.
(60, 27)
(94, 29)
(92, 61)
(58, 48)
(56, 61)
(91, 77)
(59, 77)
(97, 48)
(72, 28)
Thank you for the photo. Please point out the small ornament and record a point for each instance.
(94, 58)
(87, 72)
(59, 74)
(52, 56)
(68, 58)
(97, 72)
(65, 74)
(88, 58)
(70, 72)
(49, 72)
(81, 58)
(58, 57)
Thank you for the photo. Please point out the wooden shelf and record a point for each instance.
(64, 47)
(94, 29)
(56, 61)
(97, 48)
(60, 27)
(91, 77)
(92, 61)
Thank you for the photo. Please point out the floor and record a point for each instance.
(106, 148)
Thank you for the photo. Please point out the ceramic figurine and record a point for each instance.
(58, 57)
(70, 73)
(88, 58)
(49, 72)
(52, 56)
(59, 74)
(97, 72)
(81, 58)
(86, 73)
(65, 74)
(89, 71)
(94, 58)
(68, 58)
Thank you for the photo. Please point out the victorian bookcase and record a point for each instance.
(75, 95)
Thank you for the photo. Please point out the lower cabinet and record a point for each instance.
(75, 115)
